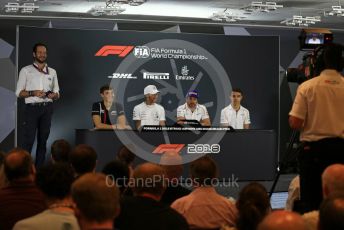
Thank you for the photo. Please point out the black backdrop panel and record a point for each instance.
(216, 63)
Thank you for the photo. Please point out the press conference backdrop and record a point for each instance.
(174, 62)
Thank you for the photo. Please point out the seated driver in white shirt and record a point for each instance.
(235, 115)
(149, 112)
(191, 110)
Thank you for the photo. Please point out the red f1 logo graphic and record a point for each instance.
(121, 51)
(168, 147)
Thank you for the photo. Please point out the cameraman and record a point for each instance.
(318, 112)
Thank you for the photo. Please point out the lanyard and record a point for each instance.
(42, 70)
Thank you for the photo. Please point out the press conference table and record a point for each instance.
(244, 154)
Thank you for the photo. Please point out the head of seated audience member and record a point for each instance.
(60, 151)
(55, 181)
(83, 159)
(97, 201)
(172, 163)
(333, 180)
(18, 166)
(253, 205)
(331, 214)
(118, 171)
(203, 171)
(149, 181)
(282, 220)
(125, 155)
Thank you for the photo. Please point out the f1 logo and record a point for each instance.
(121, 51)
(168, 147)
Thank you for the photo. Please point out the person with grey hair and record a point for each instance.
(149, 112)
(144, 210)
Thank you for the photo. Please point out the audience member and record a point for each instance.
(331, 214)
(97, 201)
(144, 210)
(119, 173)
(172, 163)
(282, 220)
(293, 193)
(55, 182)
(83, 159)
(60, 151)
(253, 205)
(21, 198)
(204, 207)
(318, 113)
(128, 157)
(332, 184)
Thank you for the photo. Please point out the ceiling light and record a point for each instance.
(261, 7)
(14, 7)
(298, 20)
(226, 16)
(335, 11)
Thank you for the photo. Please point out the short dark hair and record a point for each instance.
(19, 168)
(60, 150)
(95, 197)
(125, 155)
(34, 48)
(331, 214)
(105, 87)
(253, 205)
(83, 159)
(55, 180)
(238, 91)
(333, 56)
(203, 170)
(119, 171)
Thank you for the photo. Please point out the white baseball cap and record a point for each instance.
(150, 89)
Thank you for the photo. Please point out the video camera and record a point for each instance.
(313, 41)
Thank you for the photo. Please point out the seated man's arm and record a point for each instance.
(137, 117)
(138, 124)
(205, 122)
(247, 120)
(121, 122)
(223, 119)
(99, 125)
(180, 116)
(162, 121)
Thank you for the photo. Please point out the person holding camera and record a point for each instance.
(38, 84)
(318, 113)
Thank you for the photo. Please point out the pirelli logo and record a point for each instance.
(168, 147)
(120, 51)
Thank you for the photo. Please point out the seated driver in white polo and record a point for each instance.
(191, 110)
(149, 112)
